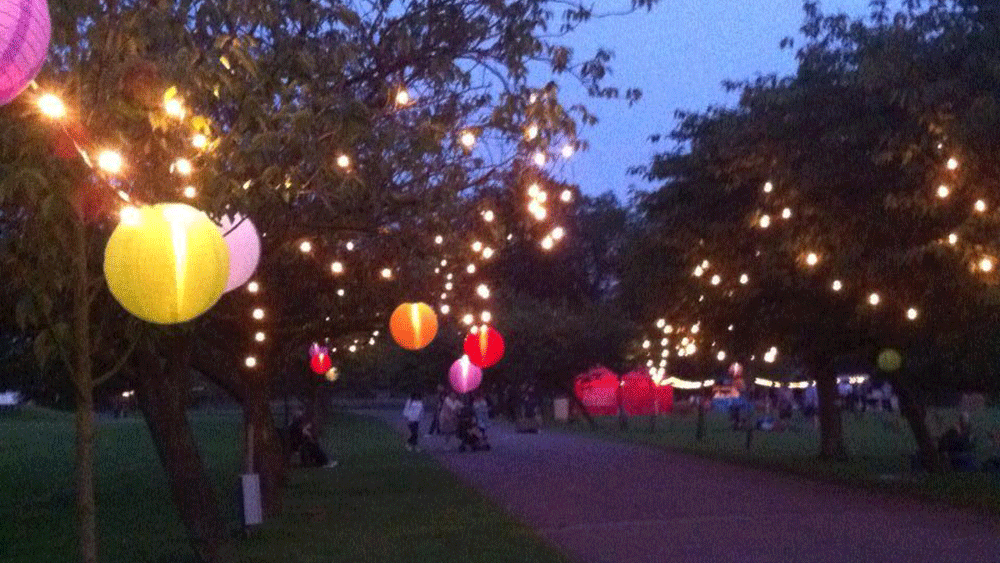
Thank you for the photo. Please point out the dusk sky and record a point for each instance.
(678, 55)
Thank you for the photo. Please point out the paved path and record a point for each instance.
(611, 502)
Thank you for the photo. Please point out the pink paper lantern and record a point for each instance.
(24, 40)
(244, 249)
(464, 376)
(316, 350)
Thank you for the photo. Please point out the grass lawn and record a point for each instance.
(880, 445)
(382, 504)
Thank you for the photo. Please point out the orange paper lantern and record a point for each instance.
(413, 325)
(484, 347)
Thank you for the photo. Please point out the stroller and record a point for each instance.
(471, 436)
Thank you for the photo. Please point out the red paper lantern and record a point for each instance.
(484, 347)
(320, 363)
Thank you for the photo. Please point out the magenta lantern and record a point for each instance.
(244, 248)
(464, 376)
(24, 41)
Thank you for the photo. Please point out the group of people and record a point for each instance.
(861, 397)
(451, 416)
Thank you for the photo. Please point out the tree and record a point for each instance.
(839, 211)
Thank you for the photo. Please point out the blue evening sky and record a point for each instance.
(678, 55)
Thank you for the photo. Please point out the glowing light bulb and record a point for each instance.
(531, 131)
(716, 280)
(51, 106)
(182, 166)
(259, 337)
(660, 323)
(386, 273)
(912, 313)
(340, 292)
(721, 356)
(337, 267)
(874, 299)
(487, 253)
(943, 191)
(836, 285)
(542, 196)
(980, 206)
(812, 259)
(352, 348)
(698, 271)
(952, 163)
(190, 192)
(343, 161)
(567, 150)
(744, 279)
(695, 328)
(646, 344)
(986, 264)
(786, 213)
(768, 187)
(349, 246)
(533, 190)
(664, 341)
(952, 239)
(250, 362)
(566, 196)
(258, 314)
(305, 247)
(765, 221)
(199, 141)
(483, 291)
(548, 243)
(439, 239)
(253, 287)
(471, 268)
(558, 233)
(468, 319)
(538, 211)
(668, 329)
(485, 316)
(174, 108)
(468, 139)
(477, 246)
(539, 158)
(110, 161)
(445, 309)
(402, 97)
(448, 286)
(488, 216)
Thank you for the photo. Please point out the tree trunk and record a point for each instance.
(83, 379)
(162, 394)
(269, 454)
(831, 429)
(571, 393)
(913, 409)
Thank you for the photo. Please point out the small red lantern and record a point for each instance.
(320, 363)
(484, 347)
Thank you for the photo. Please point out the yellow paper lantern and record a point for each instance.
(413, 325)
(889, 360)
(166, 263)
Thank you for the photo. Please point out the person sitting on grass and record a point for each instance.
(304, 442)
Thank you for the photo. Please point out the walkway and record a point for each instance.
(612, 502)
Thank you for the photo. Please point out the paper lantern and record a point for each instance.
(244, 249)
(320, 363)
(332, 374)
(316, 349)
(485, 347)
(464, 376)
(413, 325)
(166, 263)
(889, 360)
(24, 39)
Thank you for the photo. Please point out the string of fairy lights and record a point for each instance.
(809, 259)
(109, 163)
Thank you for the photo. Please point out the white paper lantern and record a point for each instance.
(244, 249)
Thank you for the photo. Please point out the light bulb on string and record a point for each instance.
(305, 247)
(716, 279)
(468, 319)
(337, 267)
(953, 239)
(190, 192)
(343, 161)
(402, 97)
(912, 313)
(51, 106)
(485, 316)
(259, 337)
(567, 150)
(253, 287)
(110, 161)
(566, 196)
(349, 246)
(532, 131)
(986, 264)
(943, 191)
(744, 279)
(660, 323)
(558, 233)
(174, 108)
(952, 163)
(786, 213)
(483, 291)
(182, 166)
(837, 285)
(445, 309)
(477, 246)
(698, 271)
(468, 139)
(386, 273)
(812, 259)
(250, 362)
(488, 216)
(487, 253)
(199, 141)
(340, 292)
(539, 158)
(646, 344)
(470, 269)
(768, 187)
(438, 239)
(765, 221)
(980, 206)
(448, 286)
(533, 190)
(874, 299)
(547, 243)
(258, 314)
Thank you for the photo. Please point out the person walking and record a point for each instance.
(482, 409)
(413, 412)
(448, 424)
(436, 409)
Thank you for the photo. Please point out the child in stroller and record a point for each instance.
(470, 433)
